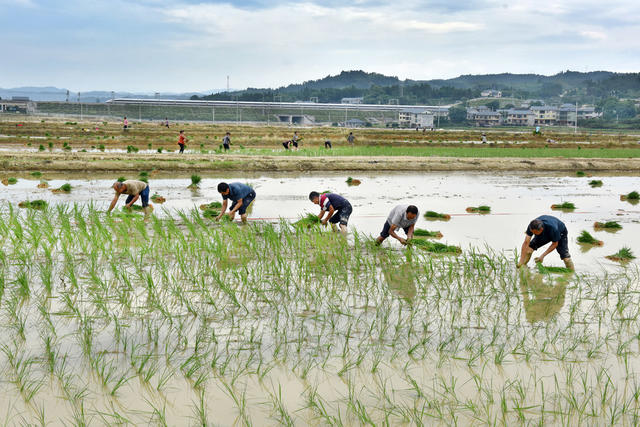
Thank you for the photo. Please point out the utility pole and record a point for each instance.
(227, 83)
(80, 106)
(213, 114)
(575, 129)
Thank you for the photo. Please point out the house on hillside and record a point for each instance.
(588, 112)
(567, 115)
(545, 115)
(415, 117)
(490, 93)
(519, 117)
(442, 112)
(483, 116)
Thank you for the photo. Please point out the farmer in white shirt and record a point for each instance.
(402, 216)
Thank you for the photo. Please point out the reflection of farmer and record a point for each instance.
(401, 278)
(135, 190)
(541, 301)
(545, 229)
(241, 196)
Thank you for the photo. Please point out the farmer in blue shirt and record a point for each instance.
(545, 229)
(241, 196)
(337, 208)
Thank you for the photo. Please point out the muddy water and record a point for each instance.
(515, 199)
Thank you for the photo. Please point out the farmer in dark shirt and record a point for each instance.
(337, 208)
(545, 229)
(241, 196)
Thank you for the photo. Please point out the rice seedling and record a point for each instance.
(432, 215)
(36, 174)
(307, 221)
(156, 198)
(195, 181)
(608, 225)
(9, 181)
(580, 174)
(33, 204)
(623, 255)
(121, 179)
(353, 182)
(63, 189)
(634, 196)
(132, 149)
(587, 239)
(420, 232)
(43, 184)
(565, 206)
(105, 309)
(435, 247)
(211, 213)
(479, 209)
(212, 205)
(595, 183)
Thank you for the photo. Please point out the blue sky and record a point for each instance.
(158, 45)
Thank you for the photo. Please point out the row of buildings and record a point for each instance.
(545, 115)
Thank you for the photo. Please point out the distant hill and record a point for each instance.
(49, 93)
(357, 79)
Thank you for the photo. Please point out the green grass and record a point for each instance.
(456, 151)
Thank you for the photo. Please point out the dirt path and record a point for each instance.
(100, 162)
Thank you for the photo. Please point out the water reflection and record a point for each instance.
(399, 275)
(542, 296)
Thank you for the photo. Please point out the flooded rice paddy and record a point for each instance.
(114, 320)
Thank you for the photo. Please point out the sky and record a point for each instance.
(185, 45)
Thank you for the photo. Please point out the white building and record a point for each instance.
(490, 93)
(351, 101)
(415, 117)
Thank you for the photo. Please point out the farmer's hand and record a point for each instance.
(232, 215)
(324, 222)
(538, 259)
(403, 241)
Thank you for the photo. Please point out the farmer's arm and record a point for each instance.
(113, 202)
(392, 233)
(410, 232)
(524, 250)
(329, 215)
(222, 210)
(238, 205)
(137, 196)
(552, 247)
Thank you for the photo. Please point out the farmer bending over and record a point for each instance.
(337, 208)
(402, 216)
(545, 229)
(241, 196)
(135, 190)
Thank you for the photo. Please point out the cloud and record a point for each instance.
(194, 44)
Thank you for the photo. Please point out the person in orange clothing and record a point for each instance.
(182, 141)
